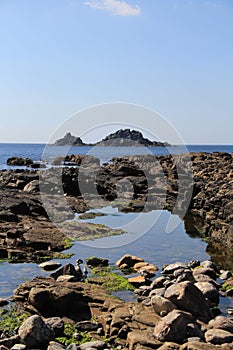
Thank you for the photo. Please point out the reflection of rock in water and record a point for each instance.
(194, 226)
(220, 255)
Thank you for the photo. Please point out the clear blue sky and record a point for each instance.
(60, 56)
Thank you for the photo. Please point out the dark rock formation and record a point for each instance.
(69, 140)
(18, 161)
(127, 137)
(77, 160)
(122, 137)
(96, 262)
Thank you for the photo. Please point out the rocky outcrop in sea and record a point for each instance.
(122, 137)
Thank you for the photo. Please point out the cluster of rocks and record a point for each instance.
(133, 263)
(177, 311)
(27, 233)
(186, 296)
(25, 229)
(19, 161)
(76, 160)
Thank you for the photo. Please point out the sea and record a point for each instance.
(38, 152)
(155, 245)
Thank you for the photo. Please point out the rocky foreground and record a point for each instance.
(176, 311)
(198, 187)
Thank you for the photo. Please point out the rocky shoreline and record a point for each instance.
(163, 182)
(177, 310)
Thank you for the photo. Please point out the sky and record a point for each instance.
(59, 57)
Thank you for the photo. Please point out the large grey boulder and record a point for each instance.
(208, 271)
(173, 327)
(34, 332)
(189, 298)
(160, 304)
(171, 268)
(60, 301)
(209, 291)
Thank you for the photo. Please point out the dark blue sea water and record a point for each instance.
(39, 151)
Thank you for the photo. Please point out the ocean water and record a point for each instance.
(39, 151)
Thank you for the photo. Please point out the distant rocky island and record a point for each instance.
(68, 140)
(122, 137)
